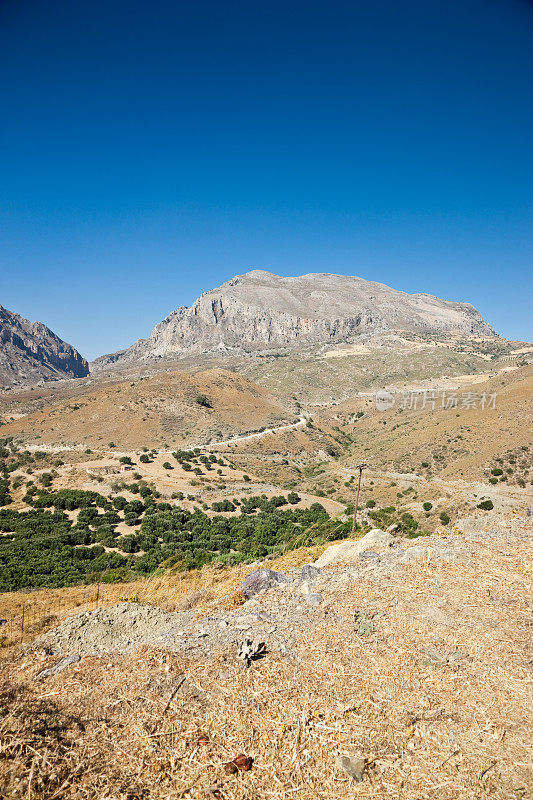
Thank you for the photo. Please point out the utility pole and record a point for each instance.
(360, 467)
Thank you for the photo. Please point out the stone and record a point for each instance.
(354, 766)
(418, 552)
(313, 599)
(369, 555)
(261, 579)
(309, 573)
(59, 667)
(375, 540)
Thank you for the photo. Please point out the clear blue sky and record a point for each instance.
(152, 150)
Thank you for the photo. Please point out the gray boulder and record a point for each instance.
(309, 572)
(261, 579)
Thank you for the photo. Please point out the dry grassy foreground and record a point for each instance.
(127, 726)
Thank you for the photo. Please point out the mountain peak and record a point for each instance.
(259, 310)
(30, 352)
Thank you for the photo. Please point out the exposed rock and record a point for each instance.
(261, 579)
(30, 352)
(354, 766)
(313, 599)
(368, 555)
(376, 540)
(309, 573)
(261, 311)
(419, 552)
(59, 667)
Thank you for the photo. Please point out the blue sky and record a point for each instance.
(151, 151)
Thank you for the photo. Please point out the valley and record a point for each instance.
(138, 502)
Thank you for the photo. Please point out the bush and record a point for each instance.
(144, 459)
(370, 504)
(293, 498)
(167, 465)
(486, 505)
(444, 517)
(125, 460)
(427, 506)
(42, 547)
(223, 505)
(496, 471)
(203, 400)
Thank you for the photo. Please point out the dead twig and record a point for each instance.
(170, 699)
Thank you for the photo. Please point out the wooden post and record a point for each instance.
(360, 467)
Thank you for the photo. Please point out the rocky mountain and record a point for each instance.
(260, 311)
(31, 352)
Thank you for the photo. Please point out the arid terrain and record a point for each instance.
(188, 608)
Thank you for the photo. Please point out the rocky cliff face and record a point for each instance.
(259, 311)
(31, 352)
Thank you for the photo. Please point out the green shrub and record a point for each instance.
(496, 471)
(444, 517)
(427, 506)
(203, 400)
(486, 505)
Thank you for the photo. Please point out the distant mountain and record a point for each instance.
(261, 311)
(30, 352)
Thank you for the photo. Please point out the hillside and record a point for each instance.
(261, 311)
(174, 408)
(461, 441)
(30, 353)
(399, 672)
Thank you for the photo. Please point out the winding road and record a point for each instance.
(249, 436)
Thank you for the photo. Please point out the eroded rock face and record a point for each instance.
(259, 310)
(375, 540)
(30, 352)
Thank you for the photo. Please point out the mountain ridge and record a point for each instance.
(259, 310)
(31, 352)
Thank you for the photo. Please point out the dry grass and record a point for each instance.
(468, 438)
(156, 410)
(105, 727)
(30, 613)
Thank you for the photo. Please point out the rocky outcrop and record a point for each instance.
(261, 311)
(374, 541)
(30, 352)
